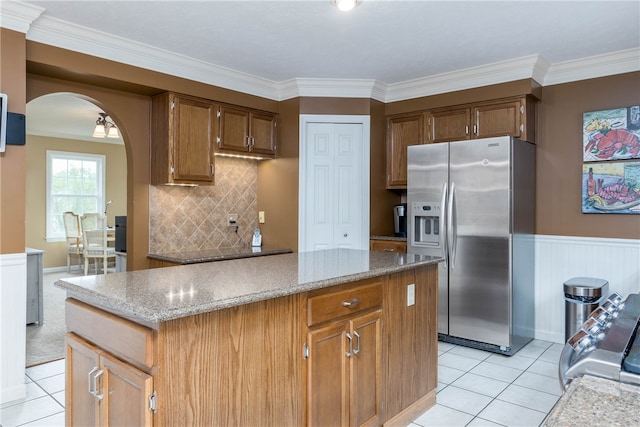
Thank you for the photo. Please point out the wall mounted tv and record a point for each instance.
(3, 122)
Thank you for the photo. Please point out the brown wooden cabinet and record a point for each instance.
(509, 116)
(344, 357)
(183, 132)
(402, 131)
(248, 132)
(388, 246)
(104, 390)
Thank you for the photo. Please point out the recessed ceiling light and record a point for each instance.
(346, 5)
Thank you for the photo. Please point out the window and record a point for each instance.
(75, 182)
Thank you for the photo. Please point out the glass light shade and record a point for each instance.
(113, 132)
(99, 131)
(346, 5)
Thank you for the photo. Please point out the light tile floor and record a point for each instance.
(475, 388)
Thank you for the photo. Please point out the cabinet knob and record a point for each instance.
(345, 235)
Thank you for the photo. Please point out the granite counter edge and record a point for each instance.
(139, 314)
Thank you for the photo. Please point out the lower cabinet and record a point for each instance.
(344, 357)
(101, 390)
(388, 246)
(343, 375)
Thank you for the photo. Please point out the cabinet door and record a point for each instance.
(192, 145)
(401, 132)
(327, 380)
(263, 133)
(365, 393)
(233, 129)
(126, 400)
(81, 360)
(498, 119)
(450, 125)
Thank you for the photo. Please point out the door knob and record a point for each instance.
(345, 234)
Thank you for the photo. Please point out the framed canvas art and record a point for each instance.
(611, 134)
(611, 187)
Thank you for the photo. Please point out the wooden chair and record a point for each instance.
(74, 237)
(94, 236)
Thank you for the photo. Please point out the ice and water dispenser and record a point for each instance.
(426, 224)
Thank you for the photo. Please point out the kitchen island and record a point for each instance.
(335, 337)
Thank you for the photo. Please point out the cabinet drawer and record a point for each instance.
(388, 246)
(334, 305)
(128, 340)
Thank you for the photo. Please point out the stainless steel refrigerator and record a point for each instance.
(473, 203)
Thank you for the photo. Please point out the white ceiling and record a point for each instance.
(382, 44)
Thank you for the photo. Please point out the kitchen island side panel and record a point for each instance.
(238, 366)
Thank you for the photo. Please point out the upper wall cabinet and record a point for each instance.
(183, 131)
(402, 131)
(247, 132)
(512, 116)
(509, 116)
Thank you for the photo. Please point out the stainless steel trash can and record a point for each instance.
(582, 295)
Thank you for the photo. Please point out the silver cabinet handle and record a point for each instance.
(357, 350)
(90, 381)
(350, 352)
(95, 378)
(248, 144)
(466, 129)
(353, 302)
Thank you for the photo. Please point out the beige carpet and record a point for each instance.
(45, 341)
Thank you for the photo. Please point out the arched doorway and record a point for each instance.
(62, 124)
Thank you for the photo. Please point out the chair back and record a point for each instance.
(94, 234)
(72, 226)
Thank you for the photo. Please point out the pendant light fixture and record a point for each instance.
(105, 128)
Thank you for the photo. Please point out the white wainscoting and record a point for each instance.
(13, 329)
(560, 258)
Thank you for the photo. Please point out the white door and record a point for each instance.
(334, 182)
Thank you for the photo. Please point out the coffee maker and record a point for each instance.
(400, 220)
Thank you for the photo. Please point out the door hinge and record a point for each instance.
(173, 105)
(218, 140)
(152, 402)
(522, 109)
(521, 128)
(218, 114)
(305, 351)
(172, 171)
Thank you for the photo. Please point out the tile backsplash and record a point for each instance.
(192, 218)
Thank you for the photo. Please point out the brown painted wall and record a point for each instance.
(123, 92)
(559, 156)
(131, 113)
(12, 161)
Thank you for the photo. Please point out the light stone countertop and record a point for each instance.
(150, 297)
(593, 401)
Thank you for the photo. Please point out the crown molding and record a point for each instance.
(18, 16)
(27, 19)
(72, 37)
(483, 75)
(340, 88)
(623, 61)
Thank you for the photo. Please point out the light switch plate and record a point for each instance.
(261, 217)
(411, 295)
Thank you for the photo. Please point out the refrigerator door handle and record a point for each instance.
(443, 221)
(452, 235)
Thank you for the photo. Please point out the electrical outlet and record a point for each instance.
(411, 295)
(233, 220)
(261, 217)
